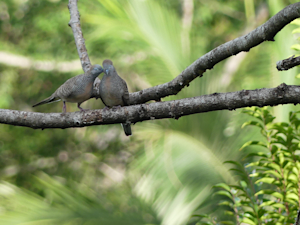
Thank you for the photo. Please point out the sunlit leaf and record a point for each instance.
(222, 185)
(296, 47)
(248, 221)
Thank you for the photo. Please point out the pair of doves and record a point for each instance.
(113, 89)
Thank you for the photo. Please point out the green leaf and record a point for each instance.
(228, 222)
(228, 213)
(274, 149)
(296, 22)
(253, 123)
(281, 158)
(236, 187)
(296, 47)
(261, 212)
(279, 206)
(291, 201)
(222, 185)
(224, 193)
(248, 221)
(245, 203)
(295, 169)
(249, 214)
(273, 204)
(268, 118)
(249, 143)
(292, 196)
(279, 140)
(235, 163)
(243, 183)
(226, 203)
(254, 112)
(274, 166)
(293, 177)
(255, 175)
(274, 173)
(258, 154)
(296, 31)
(270, 192)
(253, 164)
(291, 185)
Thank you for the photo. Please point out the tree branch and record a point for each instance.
(78, 36)
(283, 94)
(265, 32)
(288, 63)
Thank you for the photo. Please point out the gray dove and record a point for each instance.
(77, 89)
(113, 90)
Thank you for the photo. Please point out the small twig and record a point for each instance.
(288, 63)
(78, 36)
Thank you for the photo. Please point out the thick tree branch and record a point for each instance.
(288, 63)
(283, 94)
(265, 32)
(78, 36)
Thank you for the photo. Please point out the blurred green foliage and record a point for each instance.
(163, 173)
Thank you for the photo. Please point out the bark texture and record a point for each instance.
(288, 63)
(78, 36)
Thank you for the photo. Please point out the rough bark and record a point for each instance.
(78, 36)
(288, 63)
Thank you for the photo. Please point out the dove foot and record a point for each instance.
(81, 109)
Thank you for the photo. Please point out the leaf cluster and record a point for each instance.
(267, 191)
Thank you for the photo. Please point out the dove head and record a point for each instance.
(96, 70)
(106, 63)
(109, 70)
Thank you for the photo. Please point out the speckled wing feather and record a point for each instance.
(72, 88)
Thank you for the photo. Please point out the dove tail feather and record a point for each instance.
(126, 128)
(47, 101)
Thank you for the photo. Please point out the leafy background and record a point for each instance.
(164, 173)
